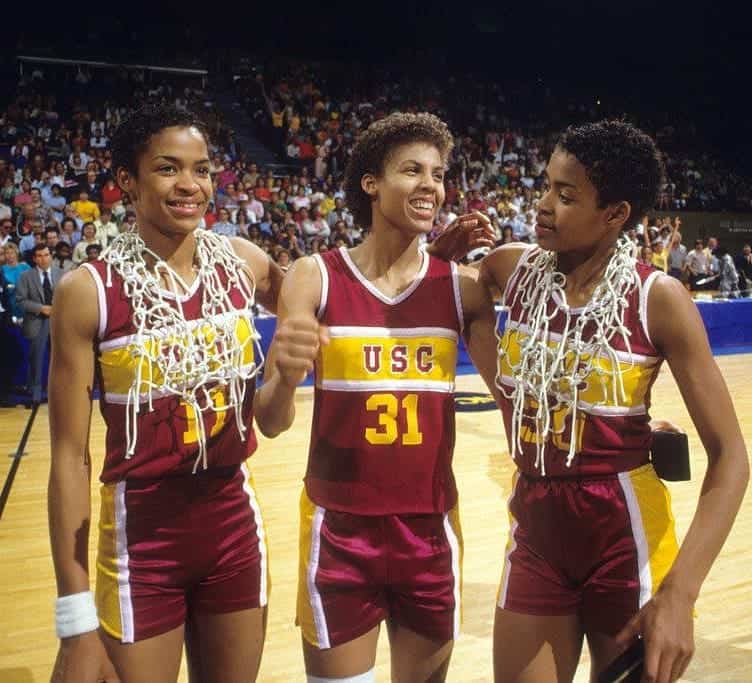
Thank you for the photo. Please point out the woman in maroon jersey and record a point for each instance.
(380, 538)
(164, 320)
(592, 550)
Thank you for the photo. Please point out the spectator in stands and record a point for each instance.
(55, 202)
(698, 266)
(34, 294)
(646, 255)
(13, 268)
(728, 281)
(88, 236)
(6, 231)
(93, 187)
(659, 258)
(744, 267)
(677, 257)
(340, 213)
(93, 252)
(62, 256)
(86, 210)
(69, 232)
(249, 216)
(111, 194)
(107, 228)
(224, 226)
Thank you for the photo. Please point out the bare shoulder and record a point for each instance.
(76, 303)
(474, 293)
(303, 286)
(497, 267)
(673, 317)
(255, 257)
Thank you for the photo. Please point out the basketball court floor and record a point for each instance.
(28, 646)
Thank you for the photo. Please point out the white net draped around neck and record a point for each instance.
(550, 374)
(186, 358)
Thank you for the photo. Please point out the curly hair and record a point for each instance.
(134, 133)
(621, 161)
(376, 144)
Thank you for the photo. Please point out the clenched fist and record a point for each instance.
(295, 347)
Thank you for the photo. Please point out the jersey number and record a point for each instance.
(190, 435)
(387, 406)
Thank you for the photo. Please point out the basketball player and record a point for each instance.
(380, 535)
(592, 550)
(164, 321)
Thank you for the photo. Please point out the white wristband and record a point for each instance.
(75, 614)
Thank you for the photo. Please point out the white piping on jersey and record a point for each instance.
(623, 356)
(345, 331)
(391, 301)
(457, 296)
(432, 385)
(649, 280)
(144, 397)
(321, 309)
(594, 408)
(101, 299)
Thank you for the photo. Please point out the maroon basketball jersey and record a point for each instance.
(612, 431)
(167, 431)
(383, 422)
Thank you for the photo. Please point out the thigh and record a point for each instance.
(140, 589)
(641, 549)
(417, 658)
(535, 649)
(225, 647)
(352, 658)
(341, 596)
(153, 660)
(603, 650)
(425, 574)
(238, 578)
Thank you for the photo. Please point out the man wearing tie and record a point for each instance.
(34, 293)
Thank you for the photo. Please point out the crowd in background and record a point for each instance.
(57, 186)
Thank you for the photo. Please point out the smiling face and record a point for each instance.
(171, 190)
(569, 218)
(410, 191)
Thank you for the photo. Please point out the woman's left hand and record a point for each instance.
(667, 629)
(465, 233)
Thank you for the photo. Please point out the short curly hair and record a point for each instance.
(132, 136)
(621, 161)
(376, 144)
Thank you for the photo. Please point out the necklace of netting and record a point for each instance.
(550, 374)
(187, 358)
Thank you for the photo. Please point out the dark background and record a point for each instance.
(652, 59)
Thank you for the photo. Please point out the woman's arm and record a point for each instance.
(293, 350)
(677, 331)
(266, 273)
(74, 324)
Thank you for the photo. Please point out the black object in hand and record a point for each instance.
(670, 456)
(627, 667)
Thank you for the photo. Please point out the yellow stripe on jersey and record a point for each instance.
(388, 358)
(599, 390)
(657, 524)
(110, 573)
(119, 363)
(310, 611)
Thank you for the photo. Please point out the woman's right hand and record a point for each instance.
(83, 659)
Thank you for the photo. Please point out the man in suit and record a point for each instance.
(34, 293)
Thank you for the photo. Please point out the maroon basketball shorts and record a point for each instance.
(191, 543)
(357, 570)
(596, 547)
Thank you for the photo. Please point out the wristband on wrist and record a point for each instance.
(75, 614)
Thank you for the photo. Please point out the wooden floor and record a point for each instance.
(27, 587)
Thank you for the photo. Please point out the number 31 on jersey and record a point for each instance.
(388, 407)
